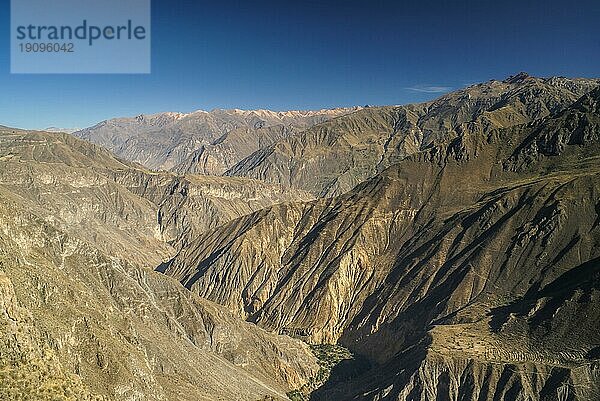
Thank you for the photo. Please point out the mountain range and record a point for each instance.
(447, 250)
(200, 142)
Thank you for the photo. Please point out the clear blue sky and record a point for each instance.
(312, 54)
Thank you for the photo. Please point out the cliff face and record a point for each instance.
(469, 260)
(190, 205)
(82, 313)
(332, 158)
(200, 142)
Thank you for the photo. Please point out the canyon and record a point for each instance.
(446, 250)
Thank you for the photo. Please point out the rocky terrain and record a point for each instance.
(200, 142)
(191, 205)
(87, 190)
(84, 313)
(331, 158)
(466, 271)
(78, 321)
(448, 250)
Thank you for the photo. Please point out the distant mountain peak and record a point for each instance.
(58, 129)
(516, 79)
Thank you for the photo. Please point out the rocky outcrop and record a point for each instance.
(578, 125)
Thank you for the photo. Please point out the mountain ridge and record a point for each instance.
(342, 153)
(166, 140)
(419, 243)
(445, 250)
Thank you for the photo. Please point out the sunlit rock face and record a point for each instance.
(469, 270)
(82, 313)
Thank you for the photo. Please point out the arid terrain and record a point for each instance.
(446, 250)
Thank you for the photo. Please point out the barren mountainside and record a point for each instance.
(200, 142)
(447, 251)
(466, 271)
(120, 205)
(332, 158)
(78, 321)
(83, 313)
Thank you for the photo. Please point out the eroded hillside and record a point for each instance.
(332, 158)
(200, 142)
(84, 313)
(456, 260)
(451, 253)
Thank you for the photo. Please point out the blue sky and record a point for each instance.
(312, 54)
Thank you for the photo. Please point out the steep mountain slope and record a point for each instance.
(123, 332)
(191, 205)
(466, 268)
(332, 158)
(200, 142)
(468, 271)
(67, 182)
(82, 315)
(122, 207)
